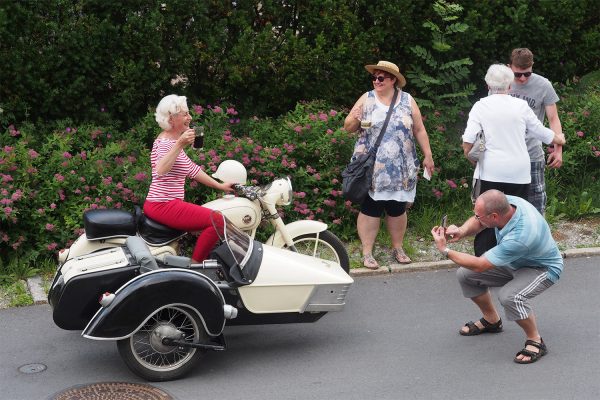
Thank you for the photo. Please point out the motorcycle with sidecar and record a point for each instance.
(247, 209)
(166, 313)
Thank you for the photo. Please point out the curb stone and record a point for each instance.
(34, 284)
(448, 264)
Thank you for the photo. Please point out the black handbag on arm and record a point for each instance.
(358, 174)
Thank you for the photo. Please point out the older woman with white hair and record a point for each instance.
(170, 167)
(504, 120)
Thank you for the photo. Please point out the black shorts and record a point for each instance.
(373, 208)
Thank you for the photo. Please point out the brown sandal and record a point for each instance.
(400, 256)
(370, 262)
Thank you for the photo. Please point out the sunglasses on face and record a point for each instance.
(379, 78)
(525, 74)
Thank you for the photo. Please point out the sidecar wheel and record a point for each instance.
(144, 353)
(325, 245)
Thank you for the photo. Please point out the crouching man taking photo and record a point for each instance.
(524, 263)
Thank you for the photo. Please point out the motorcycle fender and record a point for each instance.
(296, 229)
(137, 300)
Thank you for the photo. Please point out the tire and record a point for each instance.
(148, 358)
(324, 245)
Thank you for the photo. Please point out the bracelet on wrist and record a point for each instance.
(445, 252)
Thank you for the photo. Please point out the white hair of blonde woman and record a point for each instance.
(169, 105)
(498, 78)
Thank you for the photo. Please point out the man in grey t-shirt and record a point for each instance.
(538, 92)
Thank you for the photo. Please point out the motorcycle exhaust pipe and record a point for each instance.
(220, 346)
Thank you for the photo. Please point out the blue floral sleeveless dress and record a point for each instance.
(396, 164)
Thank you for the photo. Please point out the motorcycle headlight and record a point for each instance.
(279, 192)
(287, 194)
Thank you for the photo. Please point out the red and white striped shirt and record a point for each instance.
(169, 186)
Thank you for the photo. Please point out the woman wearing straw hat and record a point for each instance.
(396, 166)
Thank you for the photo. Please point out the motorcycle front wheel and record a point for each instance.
(146, 355)
(325, 245)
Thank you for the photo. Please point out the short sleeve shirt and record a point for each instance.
(526, 241)
(538, 92)
(169, 186)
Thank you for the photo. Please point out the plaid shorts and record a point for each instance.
(537, 187)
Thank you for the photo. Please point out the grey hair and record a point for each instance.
(171, 104)
(494, 201)
(498, 78)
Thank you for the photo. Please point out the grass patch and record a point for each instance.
(15, 295)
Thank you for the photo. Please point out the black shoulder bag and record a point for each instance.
(358, 175)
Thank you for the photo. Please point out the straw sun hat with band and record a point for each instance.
(390, 68)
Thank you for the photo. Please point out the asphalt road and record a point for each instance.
(396, 339)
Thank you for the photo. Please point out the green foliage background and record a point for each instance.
(102, 61)
(271, 81)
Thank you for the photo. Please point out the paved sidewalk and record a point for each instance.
(34, 285)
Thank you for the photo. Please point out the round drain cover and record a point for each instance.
(32, 368)
(112, 391)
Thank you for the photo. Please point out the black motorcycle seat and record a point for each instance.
(108, 223)
(155, 233)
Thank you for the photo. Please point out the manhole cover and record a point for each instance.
(112, 391)
(32, 368)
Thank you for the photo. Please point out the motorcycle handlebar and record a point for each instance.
(250, 192)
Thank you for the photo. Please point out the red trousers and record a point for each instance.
(188, 217)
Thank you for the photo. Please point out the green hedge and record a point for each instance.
(98, 61)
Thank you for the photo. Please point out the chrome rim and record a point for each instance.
(316, 247)
(173, 322)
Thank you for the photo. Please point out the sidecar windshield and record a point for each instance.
(239, 244)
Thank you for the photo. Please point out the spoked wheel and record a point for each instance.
(147, 356)
(323, 245)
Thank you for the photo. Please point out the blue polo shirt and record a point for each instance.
(526, 241)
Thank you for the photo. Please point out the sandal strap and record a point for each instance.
(398, 252)
(539, 345)
(400, 256)
(472, 327)
(489, 325)
(527, 353)
(370, 260)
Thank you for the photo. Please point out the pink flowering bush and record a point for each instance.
(308, 144)
(48, 178)
(50, 175)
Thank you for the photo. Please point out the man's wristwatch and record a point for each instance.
(445, 252)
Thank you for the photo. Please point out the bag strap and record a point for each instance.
(481, 151)
(387, 119)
